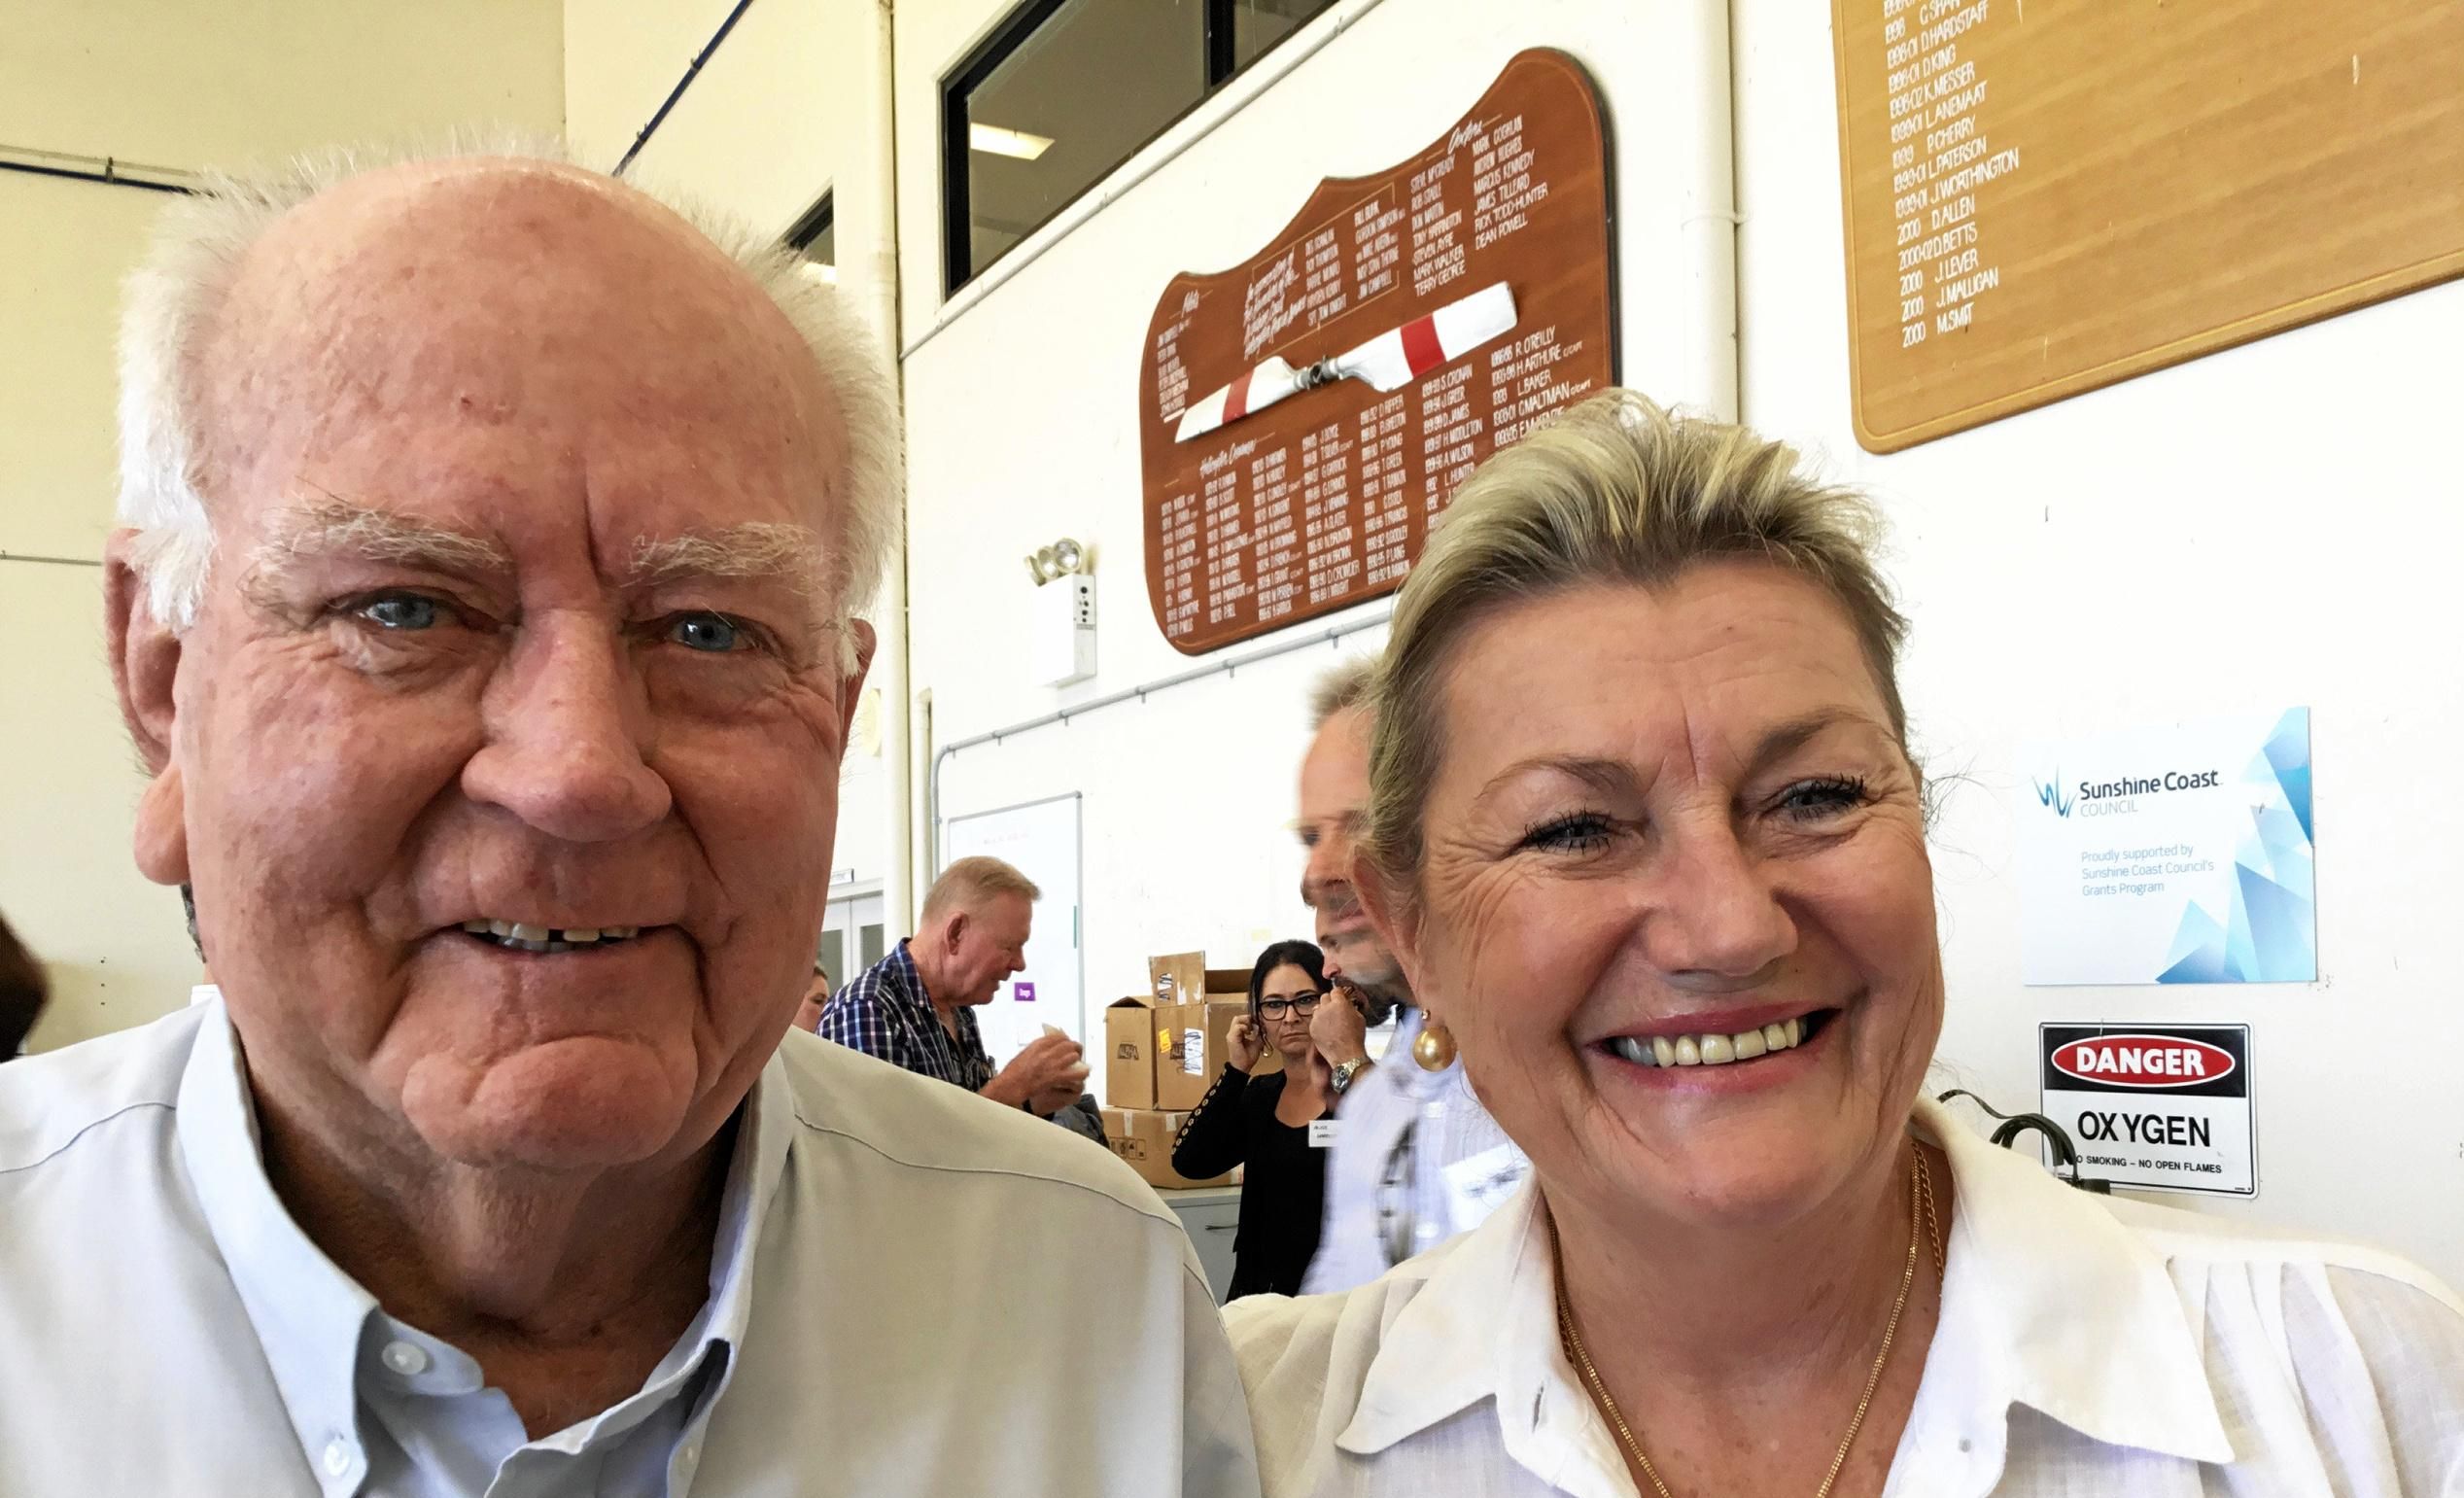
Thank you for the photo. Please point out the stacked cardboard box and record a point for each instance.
(1162, 1050)
(1143, 1137)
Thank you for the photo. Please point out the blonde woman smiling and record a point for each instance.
(1646, 836)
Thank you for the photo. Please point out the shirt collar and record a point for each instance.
(308, 1314)
(911, 979)
(312, 1319)
(963, 1037)
(2048, 1300)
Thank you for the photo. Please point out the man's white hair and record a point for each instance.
(198, 246)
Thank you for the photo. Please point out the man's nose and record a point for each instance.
(1326, 866)
(569, 731)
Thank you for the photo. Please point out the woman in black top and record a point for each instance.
(1265, 1123)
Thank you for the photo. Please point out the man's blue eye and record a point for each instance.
(709, 632)
(400, 611)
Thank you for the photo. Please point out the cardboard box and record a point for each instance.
(1143, 1137)
(1180, 978)
(1191, 1045)
(1128, 1052)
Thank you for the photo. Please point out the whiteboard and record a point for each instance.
(1041, 840)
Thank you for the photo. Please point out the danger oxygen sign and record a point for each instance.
(2155, 1107)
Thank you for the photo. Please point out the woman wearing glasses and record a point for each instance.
(1264, 1123)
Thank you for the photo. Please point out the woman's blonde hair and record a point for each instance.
(1618, 491)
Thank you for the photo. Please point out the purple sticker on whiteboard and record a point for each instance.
(1024, 991)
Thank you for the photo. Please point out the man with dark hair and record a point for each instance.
(21, 992)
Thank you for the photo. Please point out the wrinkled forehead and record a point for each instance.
(466, 296)
(1335, 783)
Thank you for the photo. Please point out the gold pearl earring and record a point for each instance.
(1434, 1047)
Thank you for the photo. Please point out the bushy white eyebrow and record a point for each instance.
(791, 553)
(337, 526)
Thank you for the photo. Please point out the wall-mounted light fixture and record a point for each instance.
(1061, 645)
(1061, 559)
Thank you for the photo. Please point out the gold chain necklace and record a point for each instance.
(1922, 1224)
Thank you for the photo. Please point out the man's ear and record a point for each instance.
(144, 670)
(1396, 916)
(953, 930)
(852, 686)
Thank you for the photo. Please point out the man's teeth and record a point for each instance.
(1710, 1050)
(522, 936)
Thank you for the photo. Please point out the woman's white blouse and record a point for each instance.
(2087, 1347)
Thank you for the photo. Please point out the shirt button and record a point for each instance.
(409, 1359)
(338, 1453)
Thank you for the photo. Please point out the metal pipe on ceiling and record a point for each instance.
(692, 69)
(107, 171)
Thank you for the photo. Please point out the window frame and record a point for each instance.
(822, 215)
(1012, 32)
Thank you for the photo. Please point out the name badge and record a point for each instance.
(1321, 1133)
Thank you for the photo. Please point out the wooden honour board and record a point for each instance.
(1326, 497)
(2043, 196)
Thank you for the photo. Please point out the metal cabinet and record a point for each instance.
(1210, 1215)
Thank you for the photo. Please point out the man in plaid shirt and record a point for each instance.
(915, 1007)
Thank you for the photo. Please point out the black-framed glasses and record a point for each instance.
(1302, 1004)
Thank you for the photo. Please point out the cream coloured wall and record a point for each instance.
(777, 118)
(770, 124)
(172, 83)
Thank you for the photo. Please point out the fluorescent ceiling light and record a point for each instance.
(994, 140)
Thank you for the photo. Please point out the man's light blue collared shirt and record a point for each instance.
(912, 1290)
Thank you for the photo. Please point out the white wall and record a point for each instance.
(1022, 427)
(169, 83)
(775, 119)
(2091, 563)
(2268, 527)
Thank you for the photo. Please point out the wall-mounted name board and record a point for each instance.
(2043, 196)
(1304, 415)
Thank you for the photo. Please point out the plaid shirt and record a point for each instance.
(886, 1013)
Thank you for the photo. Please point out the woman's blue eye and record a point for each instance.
(1581, 832)
(710, 632)
(399, 611)
(1812, 800)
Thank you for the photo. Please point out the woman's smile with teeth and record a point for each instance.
(1715, 1048)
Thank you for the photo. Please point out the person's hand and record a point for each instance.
(1337, 1030)
(1066, 1090)
(1046, 1076)
(1321, 1075)
(1246, 1044)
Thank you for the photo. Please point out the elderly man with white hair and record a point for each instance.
(486, 622)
